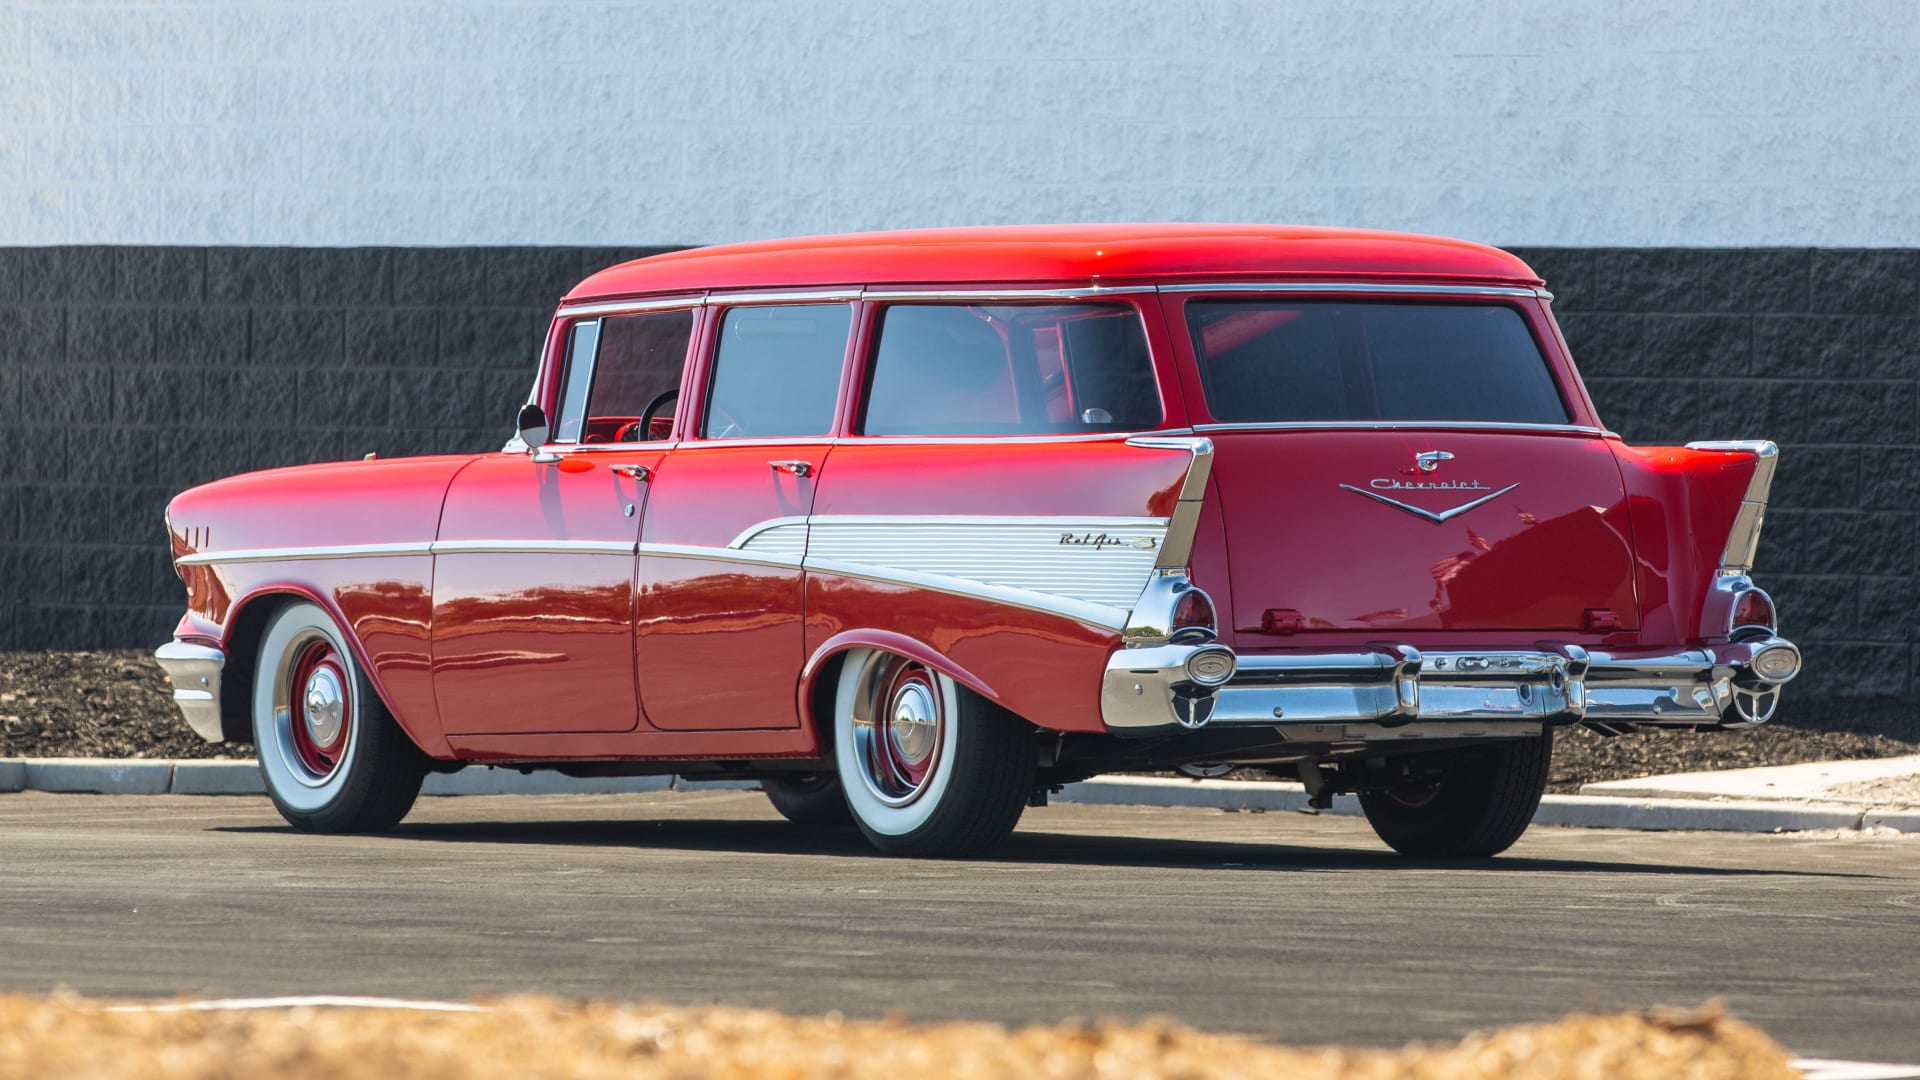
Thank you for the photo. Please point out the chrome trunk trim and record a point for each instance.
(194, 671)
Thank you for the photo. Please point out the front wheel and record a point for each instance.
(333, 760)
(929, 767)
(1476, 808)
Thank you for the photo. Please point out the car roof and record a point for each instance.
(1078, 255)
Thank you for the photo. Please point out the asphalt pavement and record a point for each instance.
(1302, 929)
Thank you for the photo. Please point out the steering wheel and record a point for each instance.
(731, 427)
(641, 429)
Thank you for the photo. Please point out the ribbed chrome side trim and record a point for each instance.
(1098, 561)
(1385, 288)
(1101, 615)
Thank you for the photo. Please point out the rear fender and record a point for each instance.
(1696, 513)
(818, 677)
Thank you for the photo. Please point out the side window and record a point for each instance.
(776, 371)
(1031, 369)
(623, 377)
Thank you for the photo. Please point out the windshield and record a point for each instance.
(1264, 361)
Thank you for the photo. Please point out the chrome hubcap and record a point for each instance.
(326, 706)
(915, 723)
(899, 722)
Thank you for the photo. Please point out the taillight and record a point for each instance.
(1193, 617)
(1753, 610)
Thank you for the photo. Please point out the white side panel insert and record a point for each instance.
(1098, 561)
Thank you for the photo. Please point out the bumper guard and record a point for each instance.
(194, 671)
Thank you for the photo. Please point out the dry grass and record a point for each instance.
(65, 1036)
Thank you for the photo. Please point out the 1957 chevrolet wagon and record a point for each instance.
(915, 527)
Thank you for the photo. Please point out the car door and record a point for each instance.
(720, 633)
(533, 587)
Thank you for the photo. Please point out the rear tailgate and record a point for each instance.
(1342, 530)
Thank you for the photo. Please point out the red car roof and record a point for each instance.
(1071, 254)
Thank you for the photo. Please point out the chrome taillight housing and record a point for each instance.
(1753, 615)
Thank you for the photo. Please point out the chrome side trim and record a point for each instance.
(1101, 615)
(1403, 425)
(194, 671)
(1744, 538)
(334, 551)
(720, 554)
(1178, 548)
(532, 547)
(629, 307)
(1384, 288)
(759, 527)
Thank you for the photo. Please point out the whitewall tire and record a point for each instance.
(332, 758)
(928, 767)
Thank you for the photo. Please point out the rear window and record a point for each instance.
(1010, 369)
(1304, 361)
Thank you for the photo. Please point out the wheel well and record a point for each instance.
(243, 657)
(820, 701)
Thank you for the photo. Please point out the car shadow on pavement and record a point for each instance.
(1026, 847)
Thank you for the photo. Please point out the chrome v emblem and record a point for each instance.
(1439, 518)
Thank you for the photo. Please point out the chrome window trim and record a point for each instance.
(582, 308)
(763, 298)
(1100, 615)
(771, 440)
(1397, 425)
(1382, 288)
(895, 295)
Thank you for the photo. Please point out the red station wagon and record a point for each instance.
(915, 527)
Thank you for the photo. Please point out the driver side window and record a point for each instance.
(623, 378)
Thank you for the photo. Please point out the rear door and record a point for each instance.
(1404, 463)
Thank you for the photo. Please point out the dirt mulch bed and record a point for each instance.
(540, 1037)
(118, 704)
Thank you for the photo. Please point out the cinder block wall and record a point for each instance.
(128, 373)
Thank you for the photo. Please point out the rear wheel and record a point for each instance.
(333, 760)
(811, 799)
(929, 767)
(1476, 808)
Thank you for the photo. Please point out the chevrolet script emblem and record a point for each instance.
(1439, 517)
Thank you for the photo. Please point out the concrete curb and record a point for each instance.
(133, 777)
(1581, 811)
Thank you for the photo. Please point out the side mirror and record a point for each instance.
(531, 426)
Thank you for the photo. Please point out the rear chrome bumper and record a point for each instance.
(1387, 690)
(194, 671)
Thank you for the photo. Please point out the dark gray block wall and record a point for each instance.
(129, 373)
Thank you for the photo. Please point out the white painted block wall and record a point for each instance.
(1627, 122)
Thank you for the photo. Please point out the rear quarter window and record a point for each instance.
(1267, 361)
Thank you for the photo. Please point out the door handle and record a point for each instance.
(797, 468)
(638, 472)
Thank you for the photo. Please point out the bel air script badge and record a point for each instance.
(1096, 541)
